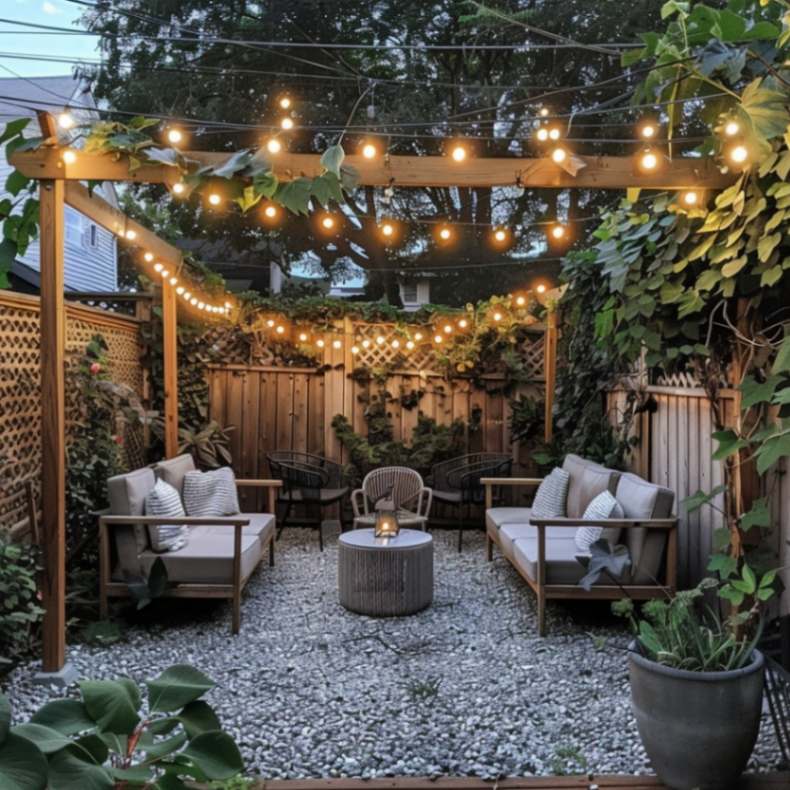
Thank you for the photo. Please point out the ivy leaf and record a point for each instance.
(265, 184)
(729, 443)
(332, 159)
(772, 449)
(233, 164)
(766, 246)
(759, 515)
(754, 391)
(295, 195)
(13, 128)
(572, 164)
(696, 501)
(165, 156)
(723, 564)
(764, 112)
(731, 268)
(782, 361)
(249, 198)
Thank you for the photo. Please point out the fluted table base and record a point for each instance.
(385, 577)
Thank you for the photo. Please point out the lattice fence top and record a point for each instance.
(20, 386)
(378, 347)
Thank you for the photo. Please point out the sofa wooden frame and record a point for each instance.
(545, 592)
(109, 588)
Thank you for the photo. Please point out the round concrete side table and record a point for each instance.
(385, 577)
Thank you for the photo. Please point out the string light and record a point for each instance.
(66, 120)
(690, 198)
(648, 160)
(366, 343)
(387, 229)
(558, 231)
(174, 135)
(418, 336)
(543, 134)
(174, 281)
(148, 257)
(270, 323)
(131, 234)
(497, 316)
(731, 128)
(69, 156)
(271, 212)
(303, 337)
(369, 150)
(187, 295)
(165, 273)
(280, 329)
(287, 123)
(540, 288)
(395, 343)
(647, 129)
(337, 344)
(458, 152)
(355, 349)
(285, 102)
(463, 323)
(520, 301)
(158, 267)
(180, 290)
(215, 199)
(410, 344)
(738, 154)
(193, 301)
(328, 222)
(544, 112)
(447, 329)
(179, 188)
(438, 339)
(559, 155)
(554, 133)
(320, 342)
(201, 305)
(273, 145)
(380, 339)
(444, 233)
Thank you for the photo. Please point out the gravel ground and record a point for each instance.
(464, 688)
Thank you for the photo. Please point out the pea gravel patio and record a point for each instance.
(466, 687)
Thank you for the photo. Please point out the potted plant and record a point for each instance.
(697, 685)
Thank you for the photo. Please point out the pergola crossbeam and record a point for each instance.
(599, 172)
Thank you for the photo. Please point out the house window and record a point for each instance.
(409, 293)
(90, 235)
(73, 228)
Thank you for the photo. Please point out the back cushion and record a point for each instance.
(211, 493)
(551, 495)
(640, 499)
(173, 470)
(587, 480)
(127, 495)
(163, 500)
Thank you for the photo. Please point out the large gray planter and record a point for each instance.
(698, 728)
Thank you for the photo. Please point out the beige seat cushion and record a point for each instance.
(207, 558)
(508, 533)
(562, 567)
(261, 526)
(127, 495)
(497, 516)
(174, 469)
(640, 499)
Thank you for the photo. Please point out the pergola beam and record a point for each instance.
(600, 172)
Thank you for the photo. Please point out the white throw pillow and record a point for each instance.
(211, 493)
(550, 497)
(602, 506)
(163, 500)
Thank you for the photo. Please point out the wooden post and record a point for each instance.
(550, 373)
(170, 359)
(53, 425)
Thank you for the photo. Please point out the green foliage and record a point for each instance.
(526, 419)
(210, 446)
(105, 740)
(682, 633)
(20, 613)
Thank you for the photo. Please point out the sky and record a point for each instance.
(16, 40)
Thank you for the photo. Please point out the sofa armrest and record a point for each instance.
(259, 483)
(161, 521)
(623, 523)
(490, 482)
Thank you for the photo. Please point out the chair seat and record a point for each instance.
(447, 497)
(406, 518)
(325, 496)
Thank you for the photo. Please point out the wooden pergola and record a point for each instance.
(60, 185)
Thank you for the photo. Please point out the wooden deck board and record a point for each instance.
(772, 781)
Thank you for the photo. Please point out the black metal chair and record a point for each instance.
(456, 482)
(309, 481)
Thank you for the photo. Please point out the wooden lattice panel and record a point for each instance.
(20, 388)
(681, 379)
(533, 352)
(379, 355)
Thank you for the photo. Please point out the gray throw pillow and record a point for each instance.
(550, 497)
(211, 493)
(163, 500)
(602, 506)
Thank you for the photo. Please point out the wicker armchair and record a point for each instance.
(404, 490)
(309, 481)
(456, 482)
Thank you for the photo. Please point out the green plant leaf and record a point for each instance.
(13, 128)
(47, 739)
(332, 159)
(754, 391)
(73, 769)
(215, 754)
(198, 717)
(66, 716)
(700, 498)
(111, 704)
(176, 687)
(759, 515)
(22, 765)
(5, 717)
(723, 564)
(782, 361)
(729, 443)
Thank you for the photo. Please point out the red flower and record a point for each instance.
(95, 368)
(118, 439)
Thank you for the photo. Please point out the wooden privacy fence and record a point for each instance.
(20, 387)
(276, 408)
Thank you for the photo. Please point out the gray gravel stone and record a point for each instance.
(464, 688)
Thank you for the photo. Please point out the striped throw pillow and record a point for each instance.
(211, 493)
(163, 500)
(550, 497)
(602, 506)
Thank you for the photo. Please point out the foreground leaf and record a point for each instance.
(176, 687)
(22, 765)
(215, 754)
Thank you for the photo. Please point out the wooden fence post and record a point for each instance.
(550, 372)
(170, 359)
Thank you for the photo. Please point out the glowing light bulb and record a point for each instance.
(369, 151)
(158, 267)
(187, 295)
(173, 280)
(445, 234)
(174, 136)
(270, 323)
(165, 273)
(180, 290)
(418, 336)
(387, 229)
(558, 232)
(500, 235)
(270, 211)
(739, 154)
(66, 120)
(179, 188)
(540, 288)
(544, 112)
(131, 234)
(274, 146)
(543, 134)
(280, 329)
(69, 156)
(458, 153)
(554, 133)
(463, 323)
(690, 198)
(648, 131)
(355, 349)
(303, 337)
(148, 257)
(410, 344)
(438, 339)
(320, 343)
(447, 329)
(287, 123)
(285, 102)
(328, 223)
(337, 344)
(649, 161)
(193, 301)
(559, 155)
(520, 301)
(497, 316)
(731, 128)
(396, 343)
(214, 199)
(201, 305)
(380, 339)
(366, 344)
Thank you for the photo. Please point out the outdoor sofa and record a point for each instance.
(544, 552)
(220, 556)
